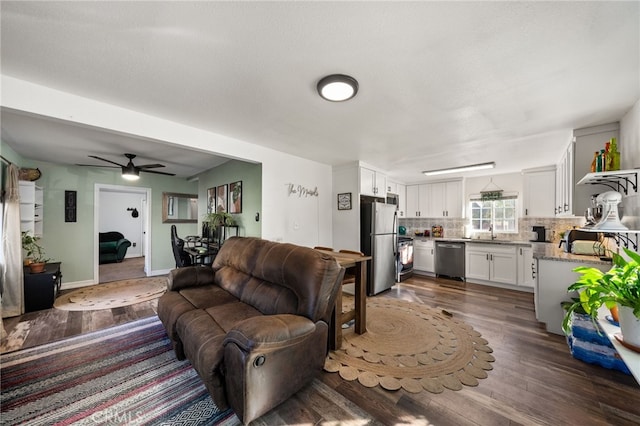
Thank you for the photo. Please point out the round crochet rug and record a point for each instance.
(411, 346)
(112, 295)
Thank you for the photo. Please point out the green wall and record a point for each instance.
(72, 242)
(232, 171)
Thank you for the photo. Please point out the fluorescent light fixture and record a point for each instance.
(337, 87)
(129, 172)
(468, 168)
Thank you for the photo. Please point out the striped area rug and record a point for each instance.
(122, 375)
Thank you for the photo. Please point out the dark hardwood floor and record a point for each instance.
(534, 380)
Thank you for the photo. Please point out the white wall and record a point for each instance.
(630, 159)
(630, 138)
(115, 217)
(346, 223)
(279, 213)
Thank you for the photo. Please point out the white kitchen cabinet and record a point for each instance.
(31, 208)
(553, 278)
(400, 190)
(445, 199)
(573, 200)
(417, 200)
(539, 197)
(402, 200)
(491, 262)
(526, 267)
(373, 183)
(564, 184)
(441, 199)
(424, 256)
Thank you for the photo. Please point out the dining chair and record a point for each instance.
(181, 257)
(323, 248)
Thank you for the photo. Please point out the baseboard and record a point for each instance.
(85, 283)
(76, 284)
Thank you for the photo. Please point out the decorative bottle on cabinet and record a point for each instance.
(614, 155)
(594, 163)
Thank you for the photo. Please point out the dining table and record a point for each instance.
(200, 254)
(358, 264)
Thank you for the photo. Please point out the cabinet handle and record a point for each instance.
(533, 270)
(520, 252)
(526, 212)
(487, 256)
(491, 256)
(566, 207)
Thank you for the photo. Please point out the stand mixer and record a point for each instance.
(593, 214)
(610, 220)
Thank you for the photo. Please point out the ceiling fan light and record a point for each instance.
(130, 173)
(337, 87)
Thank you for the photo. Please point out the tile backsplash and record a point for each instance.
(454, 228)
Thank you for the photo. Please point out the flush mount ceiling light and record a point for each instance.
(130, 172)
(337, 87)
(468, 168)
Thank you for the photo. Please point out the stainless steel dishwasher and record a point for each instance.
(450, 259)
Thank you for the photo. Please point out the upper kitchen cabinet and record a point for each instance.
(564, 183)
(441, 199)
(418, 199)
(372, 183)
(576, 163)
(400, 190)
(539, 187)
(445, 199)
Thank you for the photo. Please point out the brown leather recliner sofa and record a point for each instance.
(255, 324)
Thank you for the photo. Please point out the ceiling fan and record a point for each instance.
(130, 171)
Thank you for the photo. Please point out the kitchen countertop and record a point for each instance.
(553, 252)
(473, 241)
(543, 251)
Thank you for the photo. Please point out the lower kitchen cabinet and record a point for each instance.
(526, 267)
(553, 279)
(424, 256)
(491, 262)
(40, 290)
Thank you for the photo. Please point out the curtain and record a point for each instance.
(11, 285)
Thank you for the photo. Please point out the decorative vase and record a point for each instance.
(629, 326)
(37, 268)
(614, 314)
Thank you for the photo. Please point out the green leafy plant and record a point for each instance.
(33, 249)
(618, 286)
(216, 219)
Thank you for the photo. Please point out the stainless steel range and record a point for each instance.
(404, 264)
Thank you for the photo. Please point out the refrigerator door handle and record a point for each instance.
(395, 229)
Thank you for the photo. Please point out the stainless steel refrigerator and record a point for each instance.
(378, 239)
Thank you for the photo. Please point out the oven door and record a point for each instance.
(404, 265)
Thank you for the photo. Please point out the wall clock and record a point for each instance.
(344, 201)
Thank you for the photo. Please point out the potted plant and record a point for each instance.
(216, 219)
(34, 253)
(620, 287)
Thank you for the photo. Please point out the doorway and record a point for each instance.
(123, 209)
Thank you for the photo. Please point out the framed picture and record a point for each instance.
(344, 201)
(221, 198)
(235, 197)
(211, 199)
(70, 206)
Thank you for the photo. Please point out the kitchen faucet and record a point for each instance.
(493, 237)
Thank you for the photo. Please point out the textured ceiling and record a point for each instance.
(441, 83)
